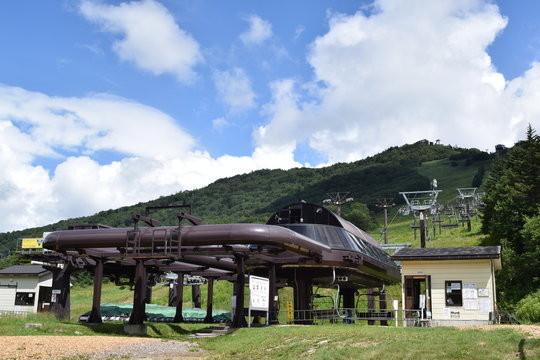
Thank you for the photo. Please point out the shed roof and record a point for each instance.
(24, 270)
(448, 253)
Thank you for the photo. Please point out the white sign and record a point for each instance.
(259, 290)
(471, 304)
(485, 305)
(483, 292)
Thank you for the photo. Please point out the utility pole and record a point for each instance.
(385, 204)
(338, 199)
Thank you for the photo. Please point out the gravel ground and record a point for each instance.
(95, 347)
(530, 331)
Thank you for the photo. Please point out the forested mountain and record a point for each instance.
(253, 197)
(511, 218)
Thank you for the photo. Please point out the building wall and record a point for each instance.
(24, 283)
(470, 272)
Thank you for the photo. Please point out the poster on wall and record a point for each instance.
(470, 291)
(485, 305)
(471, 304)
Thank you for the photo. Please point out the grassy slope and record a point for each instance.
(360, 342)
(449, 179)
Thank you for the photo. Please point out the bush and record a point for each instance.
(528, 308)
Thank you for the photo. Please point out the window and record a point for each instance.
(454, 293)
(24, 298)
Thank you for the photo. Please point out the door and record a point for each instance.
(44, 299)
(416, 287)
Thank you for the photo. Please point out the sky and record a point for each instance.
(109, 103)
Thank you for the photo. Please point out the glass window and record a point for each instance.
(454, 293)
(25, 298)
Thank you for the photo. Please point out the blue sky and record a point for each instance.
(108, 103)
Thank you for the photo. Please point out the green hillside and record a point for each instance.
(255, 196)
(449, 178)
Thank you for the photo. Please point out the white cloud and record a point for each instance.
(234, 89)
(156, 157)
(259, 31)
(220, 123)
(150, 37)
(411, 70)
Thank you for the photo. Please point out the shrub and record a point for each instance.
(528, 308)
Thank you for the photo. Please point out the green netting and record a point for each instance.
(111, 311)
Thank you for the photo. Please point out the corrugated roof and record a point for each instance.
(448, 253)
(24, 270)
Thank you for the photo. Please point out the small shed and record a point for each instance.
(25, 288)
(450, 286)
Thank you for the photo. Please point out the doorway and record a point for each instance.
(418, 295)
(44, 299)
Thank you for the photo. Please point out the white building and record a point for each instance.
(25, 288)
(454, 286)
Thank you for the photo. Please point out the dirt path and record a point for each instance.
(531, 331)
(95, 347)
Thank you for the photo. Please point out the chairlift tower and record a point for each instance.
(421, 201)
(468, 195)
(338, 199)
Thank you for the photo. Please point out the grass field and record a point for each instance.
(336, 341)
(362, 342)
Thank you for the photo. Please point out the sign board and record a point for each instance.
(259, 291)
(32, 243)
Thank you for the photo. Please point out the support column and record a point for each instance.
(382, 305)
(348, 304)
(239, 318)
(95, 315)
(61, 289)
(178, 317)
(371, 304)
(422, 230)
(209, 319)
(272, 310)
(139, 306)
(196, 296)
(302, 301)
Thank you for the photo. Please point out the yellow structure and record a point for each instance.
(449, 286)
